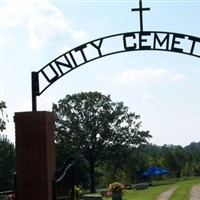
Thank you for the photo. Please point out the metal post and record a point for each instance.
(35, 90)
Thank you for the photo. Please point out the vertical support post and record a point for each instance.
(35, 155)
(35, 90)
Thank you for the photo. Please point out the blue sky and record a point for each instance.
(162, 87)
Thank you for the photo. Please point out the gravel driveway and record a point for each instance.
(165, 195)
(195, 192)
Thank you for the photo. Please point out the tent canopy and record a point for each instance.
(155, 170)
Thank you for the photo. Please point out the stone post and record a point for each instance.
(35, 155)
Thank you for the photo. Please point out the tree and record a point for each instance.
(90, 123)
(7, 164)
(137, 163)
(174, 159)
(2, 117)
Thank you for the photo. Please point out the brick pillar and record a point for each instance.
(35, 155)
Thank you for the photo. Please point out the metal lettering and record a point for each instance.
(52, 79)
(175, 41)
(80, 48)
(59, 64)
(98, 47)
(146, 40)
(125, 36)
(73, 60)
(161, 43)
(142, 40)
(194, 41)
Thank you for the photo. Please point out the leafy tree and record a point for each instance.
(91, 124)
(2, 117)
(7, 164)
(137, 164)
(155, 155)
(174, 159)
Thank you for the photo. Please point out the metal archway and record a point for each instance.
(129, 41)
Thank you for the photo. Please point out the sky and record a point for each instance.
(162, 87)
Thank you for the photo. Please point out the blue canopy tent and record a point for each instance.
(155, 170)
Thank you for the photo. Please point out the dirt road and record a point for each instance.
(165, 195)
(195, 193)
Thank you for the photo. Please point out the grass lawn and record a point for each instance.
(152, 192)
(183, 191)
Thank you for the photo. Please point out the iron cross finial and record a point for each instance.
(140, 9)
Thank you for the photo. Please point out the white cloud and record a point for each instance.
(41, 19)
(12, 11)
(147, 75)
(179, 77)
(42, 27)
(78, 35)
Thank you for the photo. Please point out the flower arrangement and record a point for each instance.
(77, 192)
(116, 187)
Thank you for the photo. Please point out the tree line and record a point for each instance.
(127, 165)
(107, 142)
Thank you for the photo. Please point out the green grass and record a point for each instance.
(151, 193)
(148, 194)
(182, 192)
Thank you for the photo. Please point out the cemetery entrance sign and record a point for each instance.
(101, 47)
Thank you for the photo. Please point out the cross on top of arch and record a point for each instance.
(140, 9)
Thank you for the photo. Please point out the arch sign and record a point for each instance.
(101, 47)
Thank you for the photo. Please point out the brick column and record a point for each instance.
(35, 155)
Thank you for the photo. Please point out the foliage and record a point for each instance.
(91, 125)
(110, 174)
(7, 164)
(179, 161)
(77, 192)
(96, 131)
(81, 174)
(116, 187)
(137, 163)
(3, 119)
